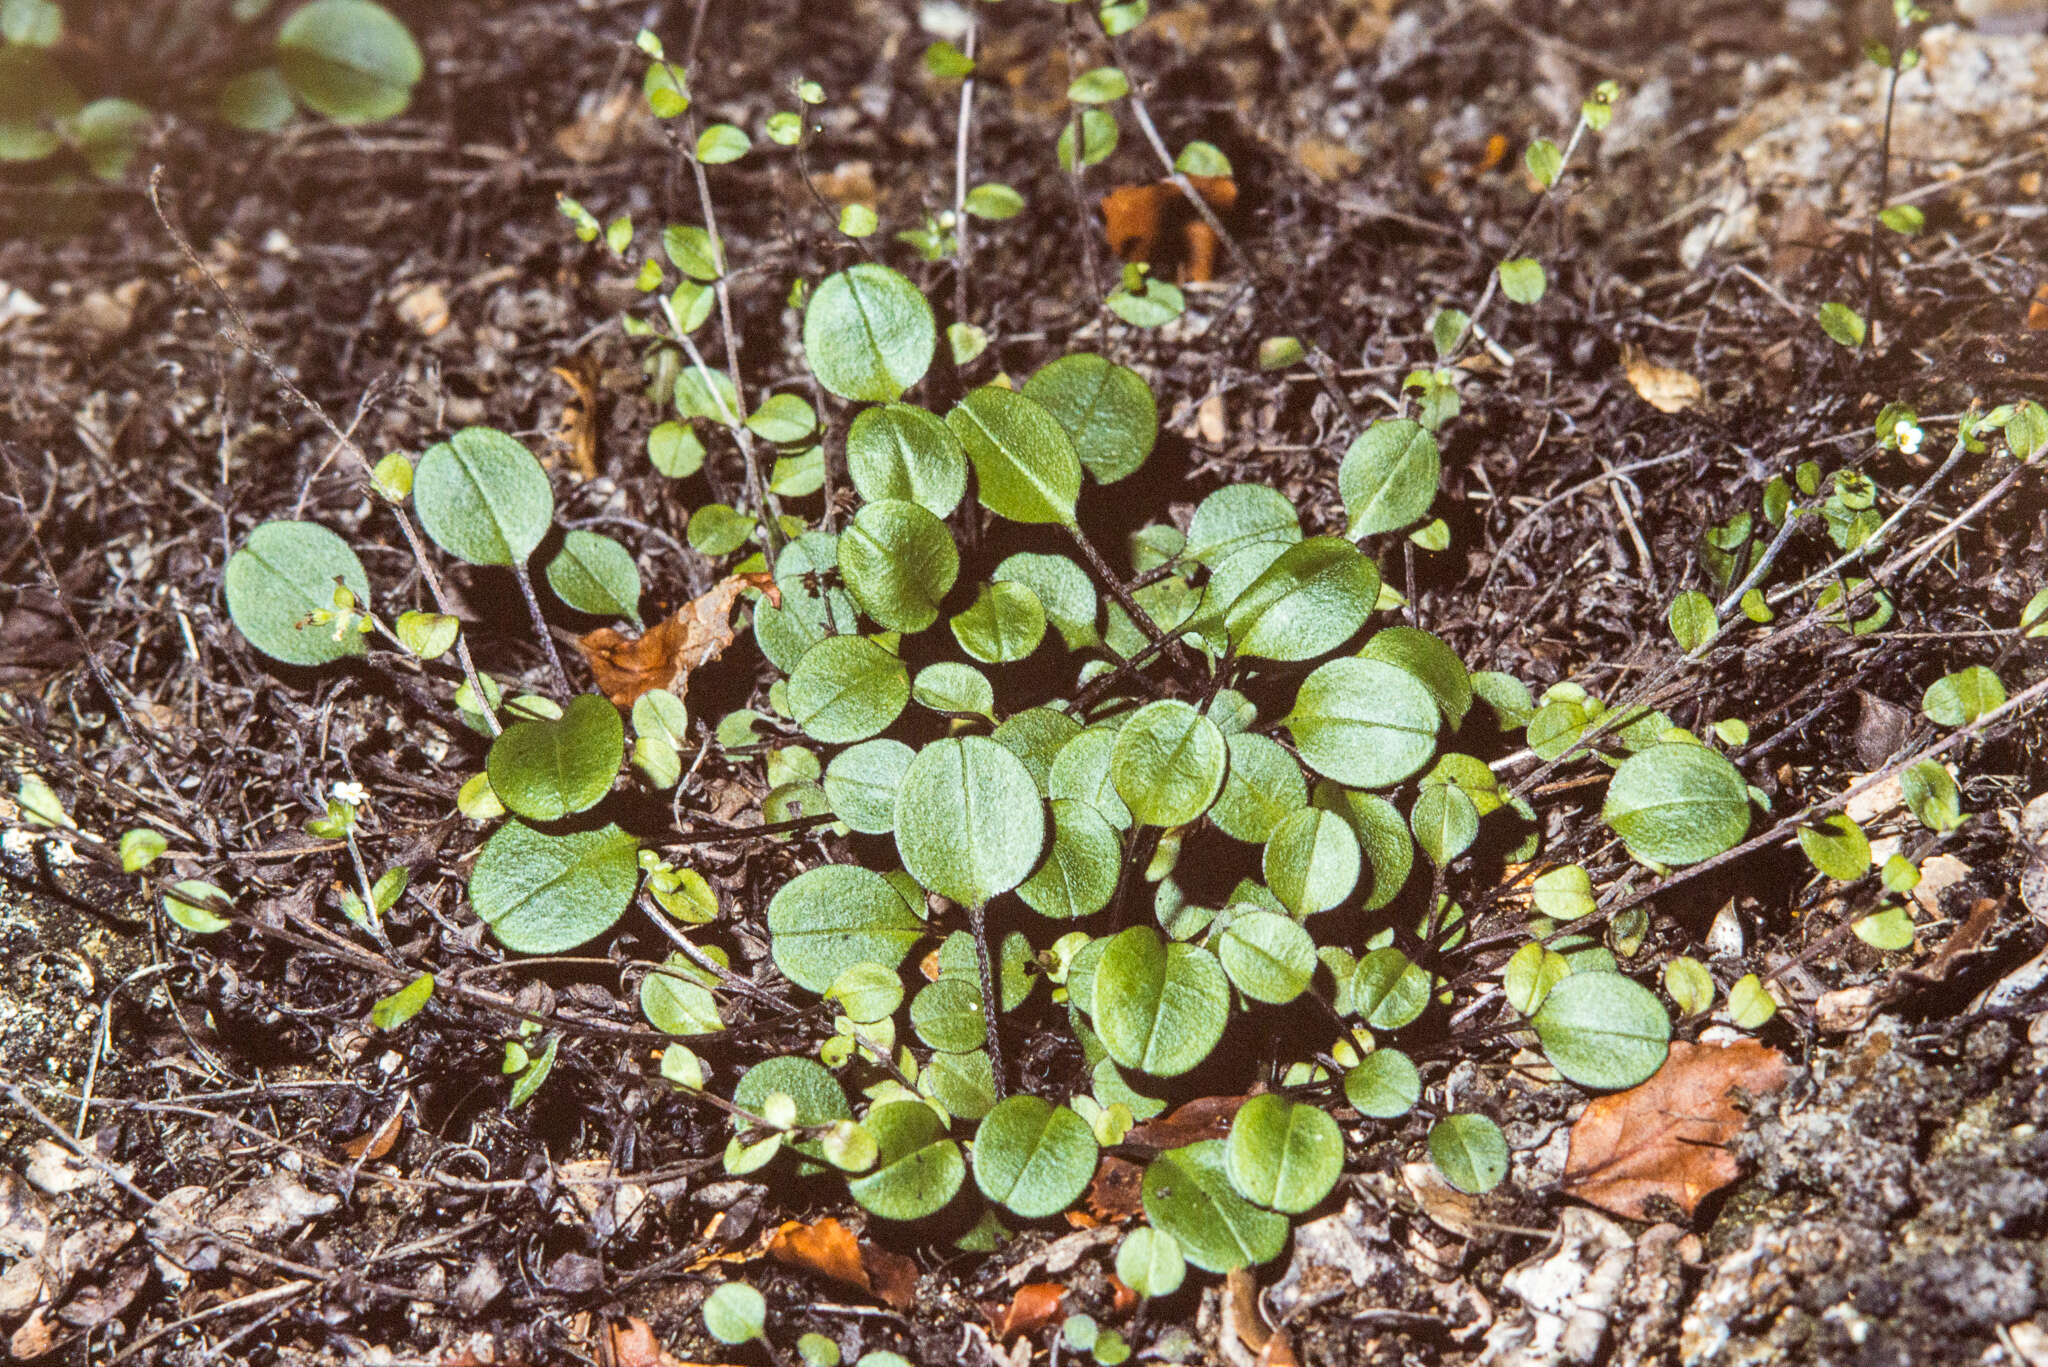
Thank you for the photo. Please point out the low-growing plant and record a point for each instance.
(1147, 816)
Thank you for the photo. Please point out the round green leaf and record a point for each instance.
(546, 770)
(970, 823)
(1389, 476)
(947, 1015)
(1079, 874)
(899, 451)
(1692, 621)
(1263, 787)
(1311, 861)
(676, 1003)
(1601, 1029)
(954, 688)
(861, 783)
(1564, 893)
(918, 1171)
(256, 101)
(847, 688)
(1384, 1085)
(1025, 463)
(813, 607)
(1159, 1008)
(1677, 804)
(483, 497)
(1237, 516)
(720, 143)
(349, 59)
(1387, 990)
(783, 419)
(1431, 661)
(1284, 1155)
(1445, 820)
(898, 561)
(1064, 590)
(108, 133)
(1036, 736)
(595, 574)
(1106, 408)
(35, 97)
(1269, 957)
(196, 906)
(1523, 280)
(735, 1313)
(1382, 836)
(285, 572)
(1962, 697)
(1469, 1151)
(828, 919)
(819, 1098)
(1311, 599)
(675, 449)
(1081, 771)
(1365, 723)
(543, 894)
(1187, 1193)
(1168, 763)
(965, 1084)
(717, 529)
(1004, 624)
(1150, 1263)
(1033, 1157)
(868, 333)
(1837, 847)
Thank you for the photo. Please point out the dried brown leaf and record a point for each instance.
(1667, 1138)
(1664, 389)
(1035, 1305)
(633, 1345)
(828, 1248)
(576, 429)
(1156, 224)
(663, 657)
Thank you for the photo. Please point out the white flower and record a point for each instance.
(351, 792)
(1909, 436)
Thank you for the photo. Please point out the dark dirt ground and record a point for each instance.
(1895, 1203)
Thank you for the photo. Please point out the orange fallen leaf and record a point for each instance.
(1496, 152)
(576, 429)
(1664, 389)
(633, 1345)
(1668, 1137)
(827, 1247)
(893, 1275)
(1123, 1300)
(374, 1145)
(2037, 310)
(663, 657)
(1156, 224)
(1035, 1305)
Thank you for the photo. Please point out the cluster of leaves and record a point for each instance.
(349, 60)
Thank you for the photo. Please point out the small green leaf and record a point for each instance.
(1106, 409)
(1236, 517)
(595, 574)
(897, 451)
(970, 823)
(1677, 804)
(1311, 599)
(720, 143)
(678, 1000)
(140, 848)
(401, 1006)
(828, 919)
(716, 530)
(546, 770)
(1311, 861)
(1284, 1155)
(1099, 85)
(1469, 1151)
(198, 907)
(1203, 159)
(1837, 847)
(1523, 280)
(898, 560)
(1026, 465)
(694, 251)
(543, 894)
(1931, 795)
(1098, 139)
(1149, 1262)
(1033, 1157)
(283, 574)
(1544, 160)
(1690, 985)
(1692, 619)
(1262, 787)
(1890, 929)
(1187, 1194)
(947, 62)
(1960, 698)
(350, 60)
(483, 497)
(1150, 303)
(1907, 220)
(1364, 723)
(784, 419)
(1063, 590)
(534, 1074)
(1079, 874)
(1168, 763)
(994, 201)
(1603, 1030)
(868, 333)
(735, 1313)
(1388, 478)
(1750, 1007)
(1267, 956)
(918, 1170)
(847, 688)
(1843, 324)
(1159, 1008)
(1384, 1086)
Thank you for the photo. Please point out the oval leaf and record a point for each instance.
(285, 572)
(543, 894)
(482, 496)
(970, 823)
(868, 333)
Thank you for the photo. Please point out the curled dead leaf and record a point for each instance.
(1664, 389)
(373, 1145)
(828, 1248)
(666, 653)
(1156, 224)
(1668, 1137)
(1035, 1305)
(576, 429)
